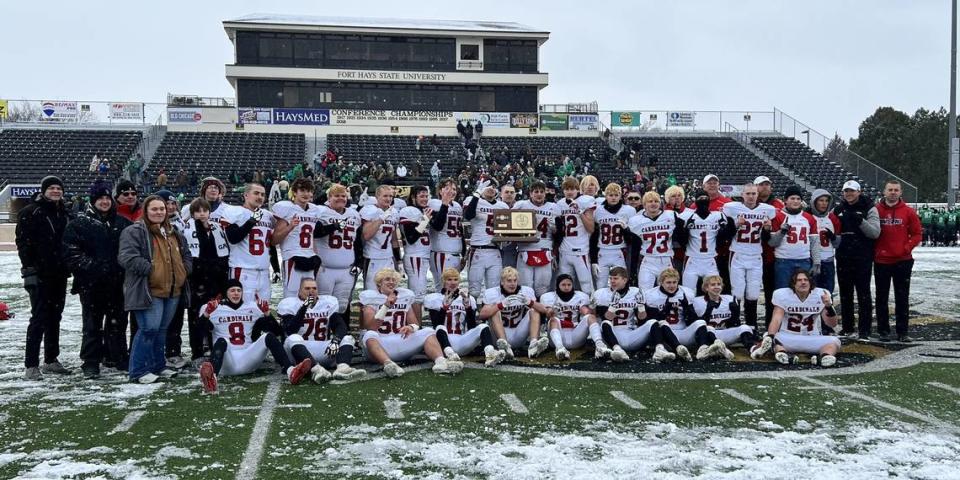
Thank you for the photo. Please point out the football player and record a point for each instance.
(535, 260)
(293, 230)
(654, 231)
(484, 257)
(446, 233)
(453, 313)
(250, 232)
(392, 332)
(608, 244)
(574, 226)
(619, 308)
(243, 333)
(519, 314)
(722, 314)
(795, 238)
(339, 247)
(752, 220)
(671, 304)
(508, 250)
(705, 229)
(414, 221)
(381, 246)
(568, 312)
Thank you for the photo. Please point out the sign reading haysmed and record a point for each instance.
(584, 122)
(301, 116)
(681, 119)
(553, 121)
(24, 192)
(393, 117)
(126, 111)
(184, 115)
(58, 111)
(625, 119)
(523, 120)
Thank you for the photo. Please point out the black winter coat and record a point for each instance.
(40, 227)
(91, 243)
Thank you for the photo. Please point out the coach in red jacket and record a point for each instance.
(900, 232)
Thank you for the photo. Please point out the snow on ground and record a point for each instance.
(55, 464)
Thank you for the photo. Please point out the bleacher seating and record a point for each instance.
(220, 154)
(28, 155)
(810, 164)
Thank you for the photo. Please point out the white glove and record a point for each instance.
(257, 215)
(381, 313)
(481, 186)
(422, 226)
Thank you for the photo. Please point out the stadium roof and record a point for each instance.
(385, 23)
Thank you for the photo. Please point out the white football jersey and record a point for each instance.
(481, 227)
(825, 224)
(314, 319)
(546, 225)
(380, 246)
(450, 239)
(703, 233)
(420, 248)
(512, 317)
(397, 315)
(568, 312)
(612, 226)
(455, 315)
(336, 249)
(655, 298)
(655, 233)
(796, 243)
(235, 326)
(747, 240)
(624, 306)
(299, 242)
(254, 250)
(576, 239)
(802, 316)
(720, 316)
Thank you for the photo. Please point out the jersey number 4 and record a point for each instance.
(258, 244)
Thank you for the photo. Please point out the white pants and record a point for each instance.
(687, 335)
(578, 265)
(484, 271)
(796, 343)
(239, 360)
(256, 283)
(440, 261)
(632, 339)
(466, 342)
(399, 349)
(607, 259)
(317, 349)
(374, 265)
(731, 336)
(416, 269)
(696, 268)
(520, 335)
(539, 278)
(650, 270)
(575, 337)
(292, 278)
(746, 276)
(337, 282)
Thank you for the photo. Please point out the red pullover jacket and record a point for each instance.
(900, 232)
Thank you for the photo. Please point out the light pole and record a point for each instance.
(953, 156)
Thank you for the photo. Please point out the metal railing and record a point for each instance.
(81, 114)
(178, 100)
(680, 121)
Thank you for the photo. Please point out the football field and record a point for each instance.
(887, 411)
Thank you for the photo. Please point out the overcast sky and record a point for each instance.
(829, 63)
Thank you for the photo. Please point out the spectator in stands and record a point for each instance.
(418, 143)
(859, 227)
(39, 239)
(95, 163)
(401, 172)
(104, 165)
(183, 181)
(435, 172)
(417, 168)
(900, 233)
(461, 132)
(478, 130)
(161, 182)
(468, 132)
(128, 202)
(435, 142)
(156, 262)
(91, 243)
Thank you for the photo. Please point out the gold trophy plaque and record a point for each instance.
(515, 226)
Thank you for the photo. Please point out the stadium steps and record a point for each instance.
(786, 171)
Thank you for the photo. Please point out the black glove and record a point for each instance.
(690, 222)
(333, 347)
(856, 217)
(829, 234)
(354, 270)
(276, 277)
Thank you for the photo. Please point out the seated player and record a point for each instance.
(568, 312)
(243, 333)
(519, 314)
(392, 331)
(621, 310)
(670, 303)
(722, 314)
(795, 326)
(453, 313)
(316, 330)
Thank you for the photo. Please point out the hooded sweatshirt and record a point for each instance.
(900, 233)
(828, 224)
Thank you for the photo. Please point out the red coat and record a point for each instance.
(900, 233)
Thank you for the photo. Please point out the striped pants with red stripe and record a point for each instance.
(416, 269)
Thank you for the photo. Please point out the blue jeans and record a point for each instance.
(783, 269)
(828, 275)
(146, 352)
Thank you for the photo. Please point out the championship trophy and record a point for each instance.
(515, 226)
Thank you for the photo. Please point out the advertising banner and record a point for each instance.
(495, 120)
(681, 119)
(404, 118)
(625, 119)
(553, 121)
(184, 115)
(584, 122)
(301, 116)
(255, 116)
(58, 111)
(24, 192)
(3, 109)
(125, 111)
(523, 120)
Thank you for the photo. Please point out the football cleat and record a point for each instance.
(346, 372)
(716, 348)
(392, 370)
(451, 354)
(727, 353)
(703, 352)
(504, 345)
(563, 354)
(537, 347)
(660, 354)
(828, 361)
(493, 356)
(684, 354)
(449, 367)
(618, 354)
(814, 360)
(758, 351)
(319, 374)
(601, 350)
(300, 370)
(786, 359)
(208, 379)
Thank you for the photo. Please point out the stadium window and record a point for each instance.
(307, 51)
(469, 52)
(247, 48)
(276, 51)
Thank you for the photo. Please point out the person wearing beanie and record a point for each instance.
(39, 239)
(859, 229)
(821, 207)
(128, 201)
(212, 190)
(795, 239)
(91, 244)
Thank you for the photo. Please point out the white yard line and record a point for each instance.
(394, 407)
(739, 396)
(251, 458)
(516, 406)
(944, 386)
(623, 397)
(882, 404)
(830, 387)
(296, 405)
(128, 422)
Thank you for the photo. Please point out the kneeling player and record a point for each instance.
(316, 330)
(519, 314)
(453, 313)
(722, 314)
(569, 315)
(392, 331)
(670, 303)
(795, 325)
(621, 309)
(243, 333)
